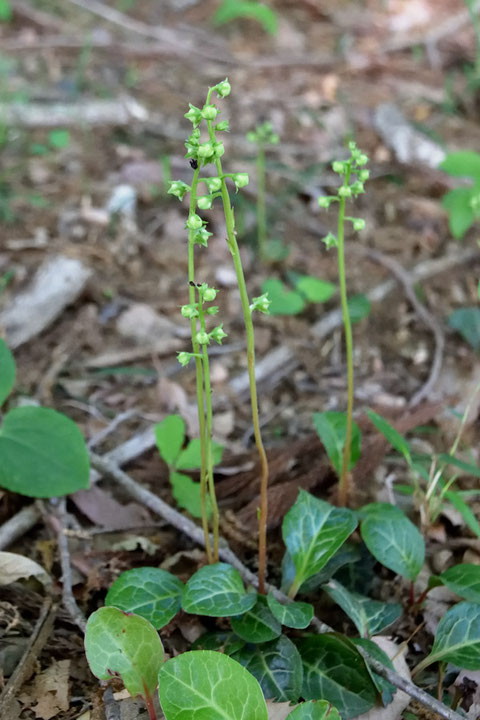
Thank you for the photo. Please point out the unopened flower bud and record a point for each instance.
(222, 126)
(223, 88)
(358, 224)
(330, 240)
(194, 115)
(209, 294)
(240, 179)
(213, 184)
(261, 303)
(202, 338)
(219, 149)
(200, 237)
(357, 188)
(339, 167)
(212, 310)
(178, 188)
(344, 191)
(362, 159)
(324, 201)
(209, 112)
(363, 175)
(217, 334)
(194, 222)
(205, 150)
(204, 202)
(184, 358)
(189, 311)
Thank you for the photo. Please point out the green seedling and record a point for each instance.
(355, 165)
(246, 9)
(462, 204)
(262, 136)
(201, 154)
(308, 289)
(42, 452)
(170, 439)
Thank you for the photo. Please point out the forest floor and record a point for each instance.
(108, 360)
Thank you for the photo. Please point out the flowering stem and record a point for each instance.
(199, 374)
(261, 206)
(343, 484)
(208, 434)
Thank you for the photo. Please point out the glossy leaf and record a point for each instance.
(43, 453)
(258, 625)
(463, 579)
(191, 458)
(277, 666)
(393, 436)
(124, 645)
(334, 670)
(331, 427)
(217, 591)
(466, 321)
(393, 539)
(296, 615)
(314, 289)
(458, 638)
(369, 616)
(205, 685)
(152, 593)
(170, 436)
(7, 371)
(314, 710)
(313, 531)
(346, 556)
(386, 689)
(187, 494)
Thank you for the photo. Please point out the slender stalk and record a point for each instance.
(208, 434)
(247, 315)
(343, 484)
(261, 205)
(199, 374)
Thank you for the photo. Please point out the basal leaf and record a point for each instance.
(187, 494)
(296, 615)
(463, 579)
(393, 539)
(150, 592)
(314, 710)
(390, 434)
(386, 689)
(125, 645)
(334, 670)
(369, 616)
(205, 685)
(282, 300)
(217, 591)
(42, 453)
(313, 531)
(7, 371)
(346, 556)
(466, 321)
(258, 625)
(277, 667)
(314, 289)
(458, 638)
(191, 458)
(331, 427)
(170, 436)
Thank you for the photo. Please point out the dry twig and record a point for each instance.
(67, 594)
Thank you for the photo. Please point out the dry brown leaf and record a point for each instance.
(13, 567)
(278, 711)
(51, 690)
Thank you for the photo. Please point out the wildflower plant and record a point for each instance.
(262, 136)
(350, 188)
(204, 152)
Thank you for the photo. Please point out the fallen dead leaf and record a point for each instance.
(13, 567)
(278, 711)
(51, 690)
(401, 700)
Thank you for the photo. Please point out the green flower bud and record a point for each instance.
(358, 224)
(205, 150)
(178, 188)
(252, 136)
(194, 222)
(217, 334)
(222, 126)
(189, 311)
(361, 159)
(339, 167)
(357, 188)
(223, 88)
(213, 184)
(261, 303)
(324, 201)
(202, 338)
(212, 310)
(344, 192)
(209, 112)
(194, 115)
(204, 202)
(209, 294)
(240, 179)
(363, 175)
(352, 146)
(330, 240)
(219, 149)
(184, 358)
(200, 237)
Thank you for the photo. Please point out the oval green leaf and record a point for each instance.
(331, 427)
(152, 593)
(313, 531)
(334, 670)
(463, 579)
(191, 457)
(314, 289)
(187, 494)
(314, 710)
(170, 436)
(277, 666)
(258, 625)
(393, 539)
(124, 645)
(209, 685)
(43, 453)
(217, 591)
(457, 639)
(7, 371)
(369, 616)
(297, 615)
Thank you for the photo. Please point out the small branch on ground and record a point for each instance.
(67, 594)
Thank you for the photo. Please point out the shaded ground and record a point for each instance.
(320, 80)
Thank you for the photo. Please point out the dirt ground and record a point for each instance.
(107, 364)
